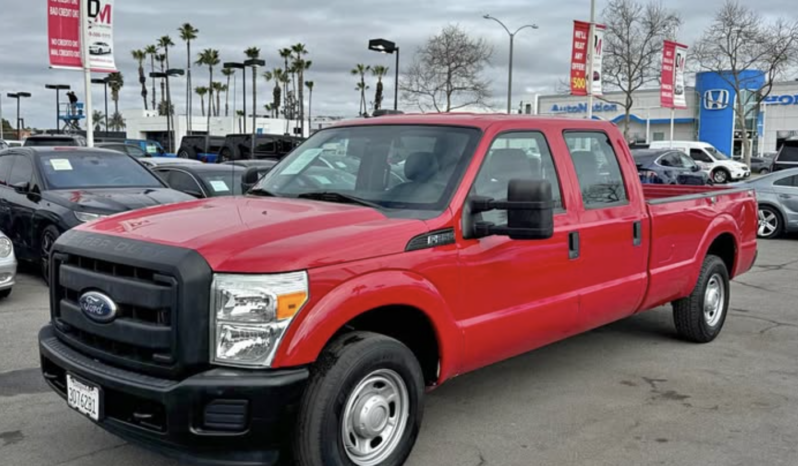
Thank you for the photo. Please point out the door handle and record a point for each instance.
(785, 196)
(573, 245)
(637, 233)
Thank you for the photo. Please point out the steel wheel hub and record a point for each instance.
(714, 300)
(375, 418)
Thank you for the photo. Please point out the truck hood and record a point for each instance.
(114, 200)
(266, 235)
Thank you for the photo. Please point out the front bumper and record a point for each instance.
(173, 417)
(741, 175)
(8, 272)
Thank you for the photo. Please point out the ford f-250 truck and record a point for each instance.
(311, 315)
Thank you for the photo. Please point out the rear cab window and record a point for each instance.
(597, 168)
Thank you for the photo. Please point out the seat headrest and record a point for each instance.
(585, 162)
(508, 163)
(420, 166)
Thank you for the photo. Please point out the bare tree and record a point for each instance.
(740, 40)
(446, 73)
(633, 47)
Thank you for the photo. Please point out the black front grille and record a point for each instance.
(141, 336)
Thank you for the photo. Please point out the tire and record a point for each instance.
(721, 176)
(699, 318)
(184, 154)
(47, 239)
(354, 375)
(764, 171)
(770, 223)
(4, 294)
(226, 155)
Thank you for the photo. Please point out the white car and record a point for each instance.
(720, 167)
(99, 48)
(8, 266)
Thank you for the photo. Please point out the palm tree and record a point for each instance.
(115, 81)
(229, 73)
(165, 42)
(253, 53)
(277, 76)
(98, 118)
(161, 59)
(361, 69)
(309, 85)
(140, 56)
(301, 65)
(187, 34)
(152, 51)
(379, 72)
(218, 88)
(202, 91)
(117, 121)
(209, 58)
(285, 54)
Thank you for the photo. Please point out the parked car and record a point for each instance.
(255, 170)
(12, 143)
(193, 147)
(657, 166)
(156, 161)
(8, 266)
(48, 191)
(3, 145)
(333, 312)
(787, 157)
(777, 194)
(267, 146)
(152, 148)
(720, 167)
(129, 149)
(761, 165)
(203, 180)
(61, 140)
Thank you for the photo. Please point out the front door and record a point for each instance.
(612, 231)
(519, 294)
(23, 204)
(787, 191)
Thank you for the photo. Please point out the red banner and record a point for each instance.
(579, 58)
(63, 25)
(673, 91)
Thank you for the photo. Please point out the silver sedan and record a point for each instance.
(777, 195)
(8, 266)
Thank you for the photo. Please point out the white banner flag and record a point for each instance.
(679, 91)
(101, 35)
(597, 57)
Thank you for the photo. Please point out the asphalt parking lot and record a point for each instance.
(626, 394)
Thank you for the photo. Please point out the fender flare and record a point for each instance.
(318, 324)
(723, 224)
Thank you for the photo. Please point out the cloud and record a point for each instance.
(335, 32)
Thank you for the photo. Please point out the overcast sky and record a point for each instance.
(335, 32)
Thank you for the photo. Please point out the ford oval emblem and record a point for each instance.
(98, 307)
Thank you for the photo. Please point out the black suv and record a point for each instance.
(61, 140)
(787, 157)
(267, 146)
(193, 147)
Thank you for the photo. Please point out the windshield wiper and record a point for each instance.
(333, 196)
(262, 192)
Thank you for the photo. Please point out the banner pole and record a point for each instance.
(85, 58)
(673, 124)
(591, 46)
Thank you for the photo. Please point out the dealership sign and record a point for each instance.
(582, 108)
(64, 34)
(580, 57)
(781, 100)
(674, 61)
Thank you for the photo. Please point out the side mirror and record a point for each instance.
(22, 187)
(530, 211)
(253, 175)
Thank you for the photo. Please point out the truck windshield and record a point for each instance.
(84, 170)
(405, 171)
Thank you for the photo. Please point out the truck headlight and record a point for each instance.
(6, 248)
(250, 314)
(87, 216)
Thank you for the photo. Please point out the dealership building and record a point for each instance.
(709, 116)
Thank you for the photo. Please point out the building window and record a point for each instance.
(659, 136)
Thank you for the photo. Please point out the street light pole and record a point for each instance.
(19, 96)
(104, 82)
(512, 42)
(240, 66)
(254, 63)
(386, 46)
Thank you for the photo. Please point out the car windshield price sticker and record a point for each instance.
(219, 186)
(83, 398)
(61, 165)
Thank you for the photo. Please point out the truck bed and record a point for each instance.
(685, 222)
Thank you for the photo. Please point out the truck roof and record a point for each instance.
(474, 120)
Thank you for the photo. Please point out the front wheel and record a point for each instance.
(699, 318)
(764, 171)
(720, 176)
(363, 405)
(226, 155)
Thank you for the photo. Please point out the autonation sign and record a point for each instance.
(781, 100)
(582, 108)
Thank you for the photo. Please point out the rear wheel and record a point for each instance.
(226, 155)
(183, 154)
(5, 293)
(363, 405)
(764, 171)
(721, 176)
(699, 318)
(770, 225)
(48, 237)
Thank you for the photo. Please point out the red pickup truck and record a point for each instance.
(311, 315)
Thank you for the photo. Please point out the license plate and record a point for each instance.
(84, 397)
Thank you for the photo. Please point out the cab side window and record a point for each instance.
(5, 168)
(597, 169)
(521, 155)
(21, 172)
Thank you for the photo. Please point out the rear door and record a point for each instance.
(613, 244)
(22, 205)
